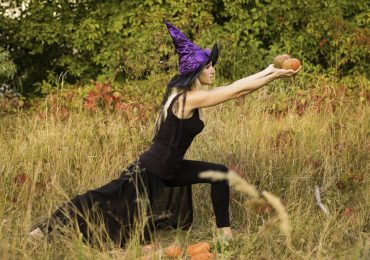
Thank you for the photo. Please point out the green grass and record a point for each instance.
(286, 155)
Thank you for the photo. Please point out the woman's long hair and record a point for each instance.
(171, 91)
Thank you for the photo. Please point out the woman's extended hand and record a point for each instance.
(282, 73)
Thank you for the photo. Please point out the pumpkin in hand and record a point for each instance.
(279, 60)
(291, 64)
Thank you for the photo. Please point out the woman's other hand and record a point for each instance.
(270, 69)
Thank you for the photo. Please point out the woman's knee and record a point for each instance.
(223, 169)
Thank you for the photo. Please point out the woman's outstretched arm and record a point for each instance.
(261, 74)
(241, 87)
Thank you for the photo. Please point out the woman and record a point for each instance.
(160, 176)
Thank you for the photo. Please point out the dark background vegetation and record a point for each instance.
(123, 40)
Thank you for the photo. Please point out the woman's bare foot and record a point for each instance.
(226, 232)
(37, 234)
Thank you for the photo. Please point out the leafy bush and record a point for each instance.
(7, 66)
(113, 39)
(10, 100)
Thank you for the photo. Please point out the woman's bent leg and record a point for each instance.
(220, 191)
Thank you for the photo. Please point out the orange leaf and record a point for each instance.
(20, 178)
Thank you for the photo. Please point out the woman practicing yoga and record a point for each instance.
(160, 175)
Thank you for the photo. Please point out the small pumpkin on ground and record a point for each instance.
(198, 248)
(173, 251)
(203, 256)
(149, 248)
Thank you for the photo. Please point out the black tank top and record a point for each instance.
(170, 144)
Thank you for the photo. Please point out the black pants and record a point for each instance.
(220, 192)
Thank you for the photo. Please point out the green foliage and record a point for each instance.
(7, 66)
(126, 40)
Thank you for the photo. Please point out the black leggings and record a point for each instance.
(220, 192)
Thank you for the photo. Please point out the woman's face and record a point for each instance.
(207, 76)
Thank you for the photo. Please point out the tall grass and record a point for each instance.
(45, 161)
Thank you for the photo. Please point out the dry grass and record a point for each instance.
(234, 181)
(43, 162)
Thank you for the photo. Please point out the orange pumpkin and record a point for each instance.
(149, 248)
(173, 251)
(198, 248)
(291, 64)
(203, 256)
(279, 60)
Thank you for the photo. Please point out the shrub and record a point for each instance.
(113, 40)
(7, 67)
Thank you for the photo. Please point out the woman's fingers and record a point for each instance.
(283, 73)
(291, 72)
(297, 70)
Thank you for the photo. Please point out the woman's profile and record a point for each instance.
(160, 175)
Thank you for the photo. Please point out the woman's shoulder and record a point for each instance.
(180, 105)
(176, 101)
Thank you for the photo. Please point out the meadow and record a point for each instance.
(284, 142)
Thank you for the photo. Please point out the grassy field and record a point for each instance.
(286, 151)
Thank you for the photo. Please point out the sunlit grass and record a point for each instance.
(45, 161)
